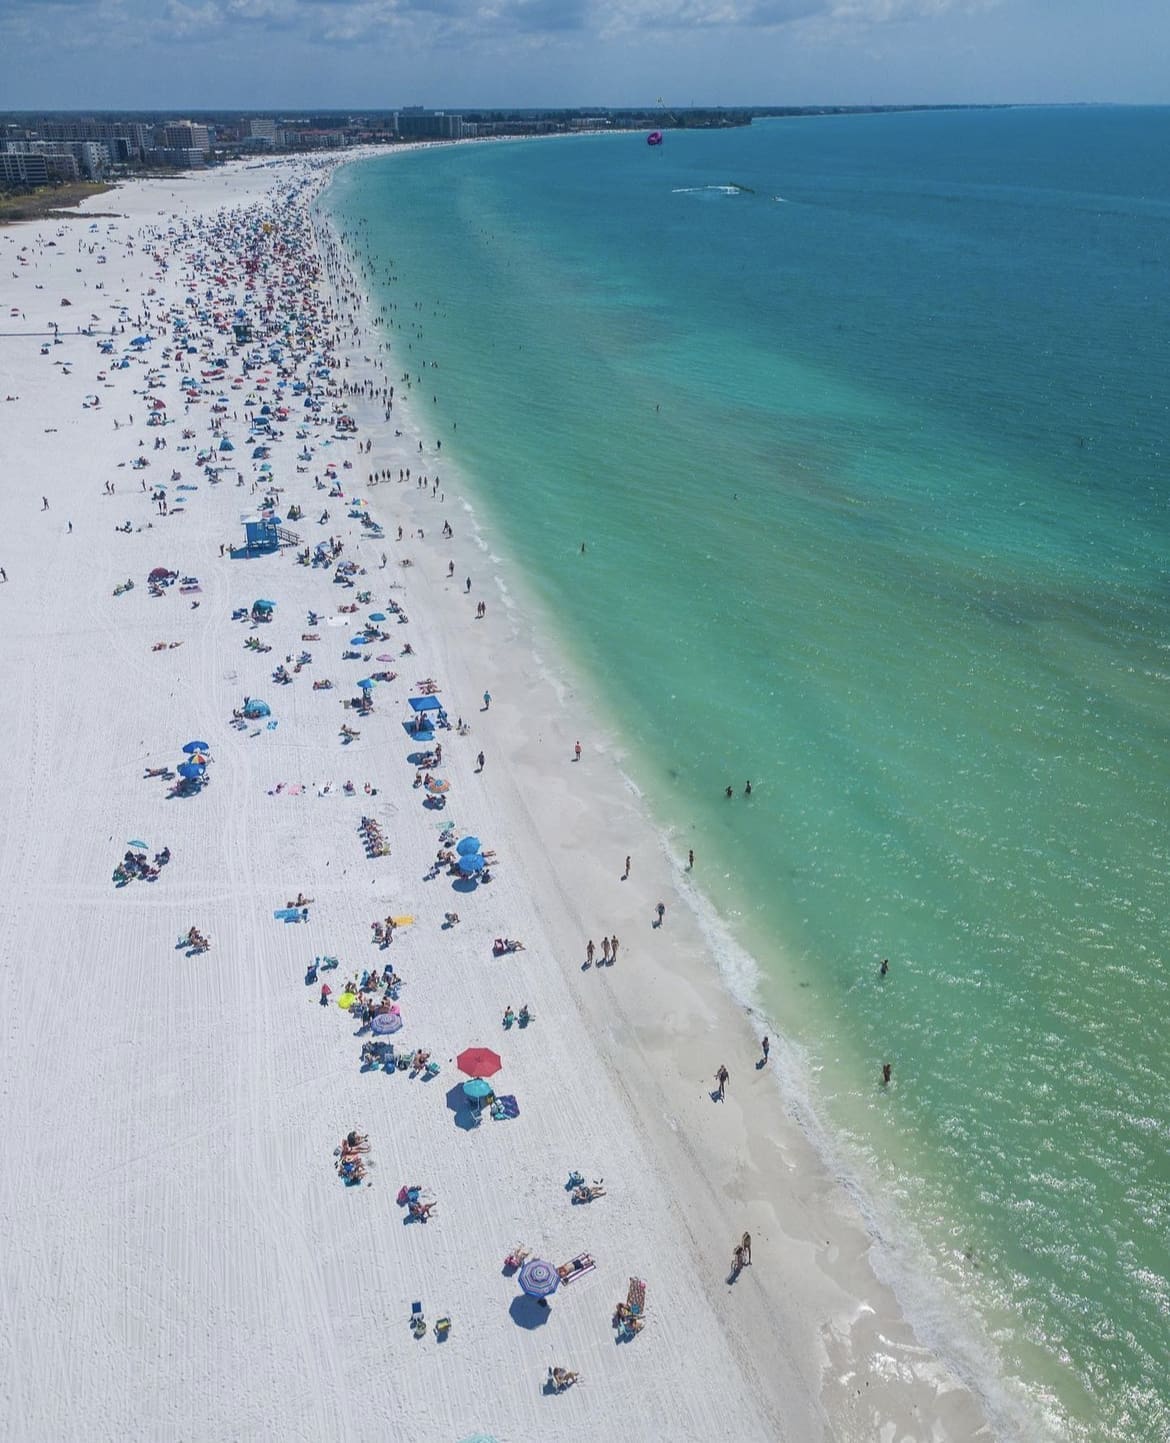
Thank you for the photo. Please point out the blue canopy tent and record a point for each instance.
(226, 445)
(425, 703)
(255, 709)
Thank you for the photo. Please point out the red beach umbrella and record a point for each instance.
(479, 1062)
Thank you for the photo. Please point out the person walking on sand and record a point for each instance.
(577, 752)
(3, 574)
(737, 1262)
(765, 1048)
(605, 948)
(746, 1249)
(589, 953)
(487, 701)
(661, 911)
(44, 503)
(613, 946)
(479, 762)
(626, 873)
(722, 1077)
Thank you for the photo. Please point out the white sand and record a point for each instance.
(180, 1258)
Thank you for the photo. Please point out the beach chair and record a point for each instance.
(418, 1324)
(636, 1297)
(442, 1328)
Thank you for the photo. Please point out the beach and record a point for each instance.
(188, 1261)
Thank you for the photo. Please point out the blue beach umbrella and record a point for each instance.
(191, 770)
(477, 1088)
(366, 684)
(197, 747)
(469, 846)
(377, 616)
(538, 1278)
(472, 863)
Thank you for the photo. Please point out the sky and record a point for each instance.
(297, 55)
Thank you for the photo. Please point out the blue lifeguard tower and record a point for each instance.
(261, 533)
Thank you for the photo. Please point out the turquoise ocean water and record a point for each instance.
(864, 421)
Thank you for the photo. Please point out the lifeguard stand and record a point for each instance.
(261, 533)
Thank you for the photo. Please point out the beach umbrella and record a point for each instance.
(197, 747)
(366, 684)
(469, 846)
(538, 1278)
(385, 656)
(477, 1089)
(377, 616)
(386, 1022)
(473, 862)
(191, 770)
(160, 573)
(134, 842)
(479, 1062)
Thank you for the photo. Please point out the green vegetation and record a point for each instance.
(47, 202)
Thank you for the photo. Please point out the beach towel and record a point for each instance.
(580, 1265)
(346, 1001)
(505, 1107)
(636, 1297)
(287, 914)
(402, 921)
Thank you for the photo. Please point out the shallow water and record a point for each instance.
(868, 457)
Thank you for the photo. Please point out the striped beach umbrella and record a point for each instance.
(538, 1278)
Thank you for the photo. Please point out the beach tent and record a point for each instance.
(255, 709)
(425, 703)
(226, 445)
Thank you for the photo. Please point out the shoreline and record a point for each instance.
(845, 1374)
(851, 1266)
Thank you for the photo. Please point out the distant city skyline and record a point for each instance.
(355, 54)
